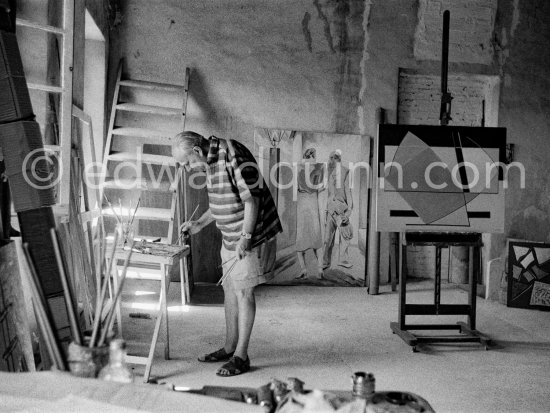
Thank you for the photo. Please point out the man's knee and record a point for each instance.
(245, 294)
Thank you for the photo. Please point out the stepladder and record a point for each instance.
(141, 189)
(140, 185)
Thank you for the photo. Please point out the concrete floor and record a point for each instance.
(323, 335)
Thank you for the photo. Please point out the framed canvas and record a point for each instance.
(320, 184)
(440, 178)
(528, 274)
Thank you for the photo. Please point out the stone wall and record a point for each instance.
(328, 65)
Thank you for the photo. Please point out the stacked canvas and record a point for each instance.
(27, 170)
(21, 141)
(15, 102)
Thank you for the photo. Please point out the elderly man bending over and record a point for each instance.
(245, 213)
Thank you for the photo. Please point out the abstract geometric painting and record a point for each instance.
(440, 178)
(528, 275)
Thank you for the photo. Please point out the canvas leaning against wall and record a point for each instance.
(320, 184)
(528, 274)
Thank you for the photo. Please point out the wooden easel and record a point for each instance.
(468, 331)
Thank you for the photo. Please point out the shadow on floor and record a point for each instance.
(207, 294)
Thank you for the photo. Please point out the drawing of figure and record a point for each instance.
(308, 225)
(339, 207)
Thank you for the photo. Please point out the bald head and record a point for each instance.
(189, 148)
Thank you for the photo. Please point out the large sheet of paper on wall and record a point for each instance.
(440, 178)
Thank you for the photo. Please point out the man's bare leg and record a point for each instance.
(231, 319)
(246, 314)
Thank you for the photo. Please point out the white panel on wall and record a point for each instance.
(471, 30)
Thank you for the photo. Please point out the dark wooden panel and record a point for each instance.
(205, 246)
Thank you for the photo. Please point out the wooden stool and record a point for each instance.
(165, 255)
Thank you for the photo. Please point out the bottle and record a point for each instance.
(117, 370)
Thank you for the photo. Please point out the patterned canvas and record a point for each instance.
(434, 178)
(320, 183)
(528, 275)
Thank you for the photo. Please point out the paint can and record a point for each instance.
(363, 385)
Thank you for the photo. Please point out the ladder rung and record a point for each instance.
(39, 26)
(141, 184)
(165, 87)
(52, 148)
(154, 110)
(143, 157)
(144, 133)
(45, 88)
(151, 214)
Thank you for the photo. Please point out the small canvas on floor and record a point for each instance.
(320, 184)
(528, 285)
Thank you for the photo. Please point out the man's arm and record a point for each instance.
(195, 226)
(251, 206)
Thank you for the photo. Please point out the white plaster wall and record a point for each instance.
(470, 30)
(276, 64)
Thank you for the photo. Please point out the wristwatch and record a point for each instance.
(246, 235)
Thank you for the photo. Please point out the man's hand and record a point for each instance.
(191, 227)
(243, 246)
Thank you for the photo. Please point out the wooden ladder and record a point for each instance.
(64, 91)
(133, 139)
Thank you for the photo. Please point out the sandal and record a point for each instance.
(215, 356)
(234, 366)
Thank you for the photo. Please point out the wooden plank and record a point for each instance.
(45, 88)
(39, 26)
(145, 133)
(138, 184)
(160, 214)
(149, 109)
(142, 157)
(441, 309)
(17, 319)
(66, 103)
(162, 87)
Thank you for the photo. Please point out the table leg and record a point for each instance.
(402, 280)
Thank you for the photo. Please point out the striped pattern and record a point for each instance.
(233, 177)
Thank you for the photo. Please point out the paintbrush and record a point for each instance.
(101, 295)
(109, 319)
(229, 260)
(227, 273)
(135, 211)
(190, 218)
(112, 209)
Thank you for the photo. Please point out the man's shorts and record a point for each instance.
(257, 267)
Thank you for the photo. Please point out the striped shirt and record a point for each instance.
(232, 178)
